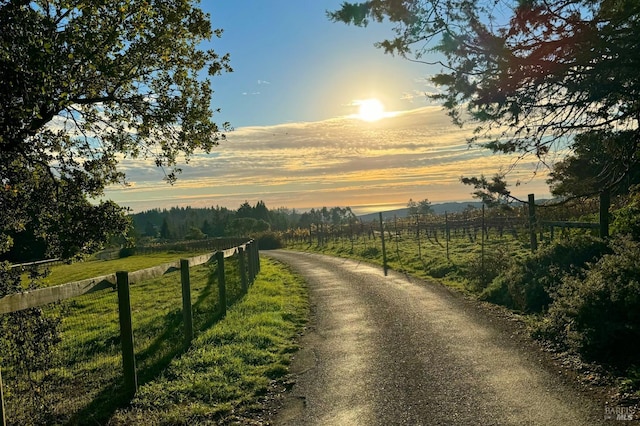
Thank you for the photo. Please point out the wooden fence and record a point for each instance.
(249, 266)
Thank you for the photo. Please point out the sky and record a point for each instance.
(298, 142)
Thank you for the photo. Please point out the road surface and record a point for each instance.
(400, 351)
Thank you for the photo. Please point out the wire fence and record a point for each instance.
(469, 247)
(66, 361)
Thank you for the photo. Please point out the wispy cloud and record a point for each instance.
(343, 161)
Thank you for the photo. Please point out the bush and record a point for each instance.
(599, 316)
(527, 285)
(268, 240)
(480, 272)
(126, 252)
(28, 343)
(370, 252)
(627, 219)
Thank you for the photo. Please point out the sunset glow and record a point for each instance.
(370, 109)
(411, 154)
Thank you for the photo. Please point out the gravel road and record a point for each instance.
(401, 351)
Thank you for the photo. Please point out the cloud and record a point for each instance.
(342, 161)
(263, 82)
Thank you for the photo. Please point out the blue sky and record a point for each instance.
(292, 64)
(292, 100)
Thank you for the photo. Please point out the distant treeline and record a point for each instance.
(179, 223)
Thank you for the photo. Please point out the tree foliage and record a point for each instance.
(492, 192)
(422, 207)
(589, 168)
(85, 85)
(530, 74)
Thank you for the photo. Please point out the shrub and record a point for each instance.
(480, 272)
(370, 252)
(627, 219)
(268, 240)
(599, 316)
(28, 343)
(126, 252)
(527, 285)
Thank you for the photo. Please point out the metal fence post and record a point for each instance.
(187, 312)
(222, 290)
(126, 333)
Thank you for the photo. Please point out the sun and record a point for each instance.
(370, 109)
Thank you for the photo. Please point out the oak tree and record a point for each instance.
(86, 84)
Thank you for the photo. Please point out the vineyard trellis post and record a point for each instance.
(418, 237)
(384, 251)
(395, 230)
(447, 235)
(187, 311)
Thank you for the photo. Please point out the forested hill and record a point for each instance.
(196, 223)
(180, 223)
(441, 208)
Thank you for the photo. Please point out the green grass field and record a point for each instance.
(61, 274)
(229, 364)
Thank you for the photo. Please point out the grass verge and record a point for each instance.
(231, 364)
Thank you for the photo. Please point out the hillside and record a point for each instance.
(453, 207)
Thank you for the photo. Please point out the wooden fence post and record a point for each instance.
(257, 254)
(532, 222)
(222, 290)
(605, 203)
(384, 251)
(126, 333)
(243, 270)
(251, 263)
(447, 232)
(418, 237)
(187, 312)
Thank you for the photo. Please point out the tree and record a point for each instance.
(413, 207)
(419, 207)
(165, 232)
(86, 84)
(529, 74)
(589, 168)
(424, 207)
(195, 233)
(493, 192)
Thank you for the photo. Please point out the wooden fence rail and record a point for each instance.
(248, 256)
